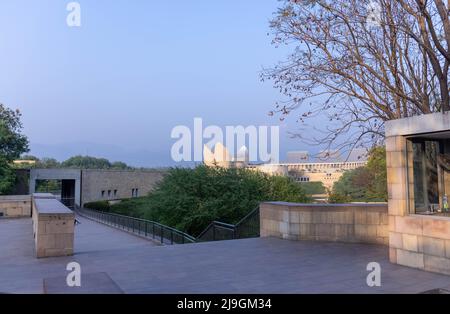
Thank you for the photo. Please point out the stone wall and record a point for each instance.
(15, 206)
(96, 185)
(418, 241)
(355, 223)
(117, 184)
(53, 227)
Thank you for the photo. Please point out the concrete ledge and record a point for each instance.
(428, 123)
(354, 223)
(53, 227)
(15, 206)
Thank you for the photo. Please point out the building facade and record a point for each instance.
(79, 187)
(327, 173)
(418, 172)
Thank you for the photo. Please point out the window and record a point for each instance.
(136, 192)
(429, 174)
(109, 193)
(103, 193)
(115, 193)
(132, 193)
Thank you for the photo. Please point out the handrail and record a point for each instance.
(247, 216)
(214, 224)
(150, 228)
(246, 227)
(234, 231)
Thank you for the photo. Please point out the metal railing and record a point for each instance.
(247, 227)
(141, 227)
(68, 202)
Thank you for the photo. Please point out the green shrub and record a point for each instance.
(313, 188)
(134, 207)
(100, 205)
(365, 184)
(190, 199)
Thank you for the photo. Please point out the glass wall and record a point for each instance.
(429, 175)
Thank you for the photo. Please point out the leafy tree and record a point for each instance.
(48, 163)
(7, 177)
(28, 157)
(12, 144)
(118, 165)
(88, 162)
(365, 184)
(313, 188)
(190, 199)
(377, 189)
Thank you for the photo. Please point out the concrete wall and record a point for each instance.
(355, 223)
(57, 174)
(15, 206)
(327, 173)
(121, 181)
(418, 241)
(89, 183)
(53, 227)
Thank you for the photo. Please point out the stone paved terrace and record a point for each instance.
(264, 265)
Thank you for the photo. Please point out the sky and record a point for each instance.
(116, 86)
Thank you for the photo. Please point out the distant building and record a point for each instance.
(221, 157)
(297, 157)
(24, 162)
(326, 167)
(329, 156)
(81, 186)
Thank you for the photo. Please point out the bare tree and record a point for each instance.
(361, 63)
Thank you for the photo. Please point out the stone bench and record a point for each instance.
(53, 227)
(16, 206)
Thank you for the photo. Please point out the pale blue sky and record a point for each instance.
(136, 68)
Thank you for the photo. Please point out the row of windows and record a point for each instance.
(328, 176)
(113, 193)
(351, 165)
(109, 193)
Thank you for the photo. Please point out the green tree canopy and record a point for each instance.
(12, 144)
(190, 199)
(365, 184)
(88, 162)
(47, 163)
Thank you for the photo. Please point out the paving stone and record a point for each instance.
(261, 265)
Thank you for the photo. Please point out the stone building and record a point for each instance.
(326, 172)
(221, 157)
(327, 167)
(418, 169)
(79, 187)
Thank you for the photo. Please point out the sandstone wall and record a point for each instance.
(354, 223)
(15, 206)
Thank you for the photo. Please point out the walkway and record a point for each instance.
(262, 265)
